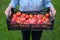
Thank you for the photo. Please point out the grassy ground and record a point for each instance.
(16, 35)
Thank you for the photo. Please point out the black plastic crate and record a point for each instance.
(34, 27)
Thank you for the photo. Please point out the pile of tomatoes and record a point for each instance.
(23, 18)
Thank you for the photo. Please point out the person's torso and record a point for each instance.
(31, 5)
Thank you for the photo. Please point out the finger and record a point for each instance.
(51, 14)
(9, 14)
(54, 12)
(6, 13)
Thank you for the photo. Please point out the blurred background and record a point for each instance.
(16, 34)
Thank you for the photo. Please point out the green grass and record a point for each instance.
(16, 35)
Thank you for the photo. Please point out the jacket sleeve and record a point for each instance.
(48, 3)
(14, 3)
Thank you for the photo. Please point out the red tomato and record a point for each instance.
(13, 21)
(27, 16)
(47, 21)
(18, 20)
(18, 13)
(31, 16)
(39, 16)
(35, 16)
(26, 22)
(47, 15)
(23, 15)
(40, 21)
(14, 18)
(14, 15)
(44, 18)
(32, 21)
(22, 19)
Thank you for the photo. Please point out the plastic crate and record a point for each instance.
(34, 27)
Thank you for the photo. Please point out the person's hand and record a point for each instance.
(52, 11)
(8, 11)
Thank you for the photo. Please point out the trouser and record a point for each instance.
(36, 35)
